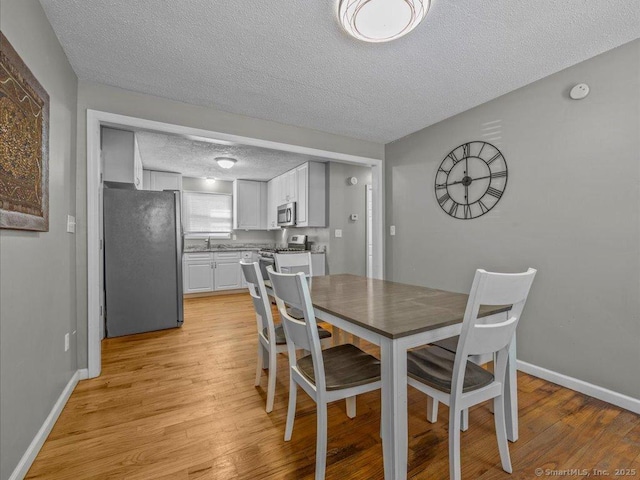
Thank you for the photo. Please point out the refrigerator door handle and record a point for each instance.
(178, 217)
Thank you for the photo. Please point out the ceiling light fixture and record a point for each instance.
(210, 180)
(226, 162)
(381, 20)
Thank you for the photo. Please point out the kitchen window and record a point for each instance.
(207, 213)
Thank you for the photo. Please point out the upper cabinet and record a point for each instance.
(249, 205)
(311, 196)
(159, 181)
(121, 157)
(306, 185)
(273, 200)
(288, 187)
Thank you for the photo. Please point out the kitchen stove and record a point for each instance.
(295, 244)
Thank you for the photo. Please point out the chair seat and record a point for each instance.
(267, 283)
(433, 366)
(449, 344)
(295, 313)
(281, 339)
(344, 366)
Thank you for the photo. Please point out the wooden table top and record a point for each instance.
(391, 309)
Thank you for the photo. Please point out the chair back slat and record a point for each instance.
(294, 263)
(479, 338)
(293, 290)
(258, 293)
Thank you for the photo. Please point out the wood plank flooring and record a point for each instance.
(180, 404)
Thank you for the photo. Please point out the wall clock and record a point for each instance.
(471, 180)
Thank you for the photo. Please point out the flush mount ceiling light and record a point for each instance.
(226, 162)
(381, 20)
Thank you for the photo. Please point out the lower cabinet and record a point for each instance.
(208, 272)
(198, 273)
(227, 275)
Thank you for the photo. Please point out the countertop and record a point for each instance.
(252, 247)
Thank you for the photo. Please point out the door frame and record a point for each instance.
(96, 119)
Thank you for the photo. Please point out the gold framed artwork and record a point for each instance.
(24, 145)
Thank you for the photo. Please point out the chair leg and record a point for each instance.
(265, 359)
(501, 433)
(464, 420)
(259, 368)
(321, 446)
(291, 413)
(432, 409)
(455, 417)
(271, 386)
(351, 406)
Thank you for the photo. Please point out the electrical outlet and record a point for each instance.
(392, 230)
(338, 233)
(66, 342)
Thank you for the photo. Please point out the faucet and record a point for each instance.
(208, 243)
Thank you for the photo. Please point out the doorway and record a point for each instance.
(97, 119)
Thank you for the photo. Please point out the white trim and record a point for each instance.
(36, 444)
(601, 393)
(97, 118)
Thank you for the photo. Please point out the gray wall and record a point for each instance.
(37, 270)
(115, 100)
(571, 210)
(347, 254)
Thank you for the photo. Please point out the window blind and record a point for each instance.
(207, 213)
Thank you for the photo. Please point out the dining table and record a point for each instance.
(398, 317)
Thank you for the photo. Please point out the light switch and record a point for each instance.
(392, 230)
(338, 233)
(71, 224)
(354, 217)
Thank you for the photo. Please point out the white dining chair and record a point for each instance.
(294, 263)
(337, 373)
(271, 337)
(451, 344)
(453, 380)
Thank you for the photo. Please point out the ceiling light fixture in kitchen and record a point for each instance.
(226, 162)
(381, 20)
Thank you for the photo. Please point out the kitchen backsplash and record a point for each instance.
(318, 238)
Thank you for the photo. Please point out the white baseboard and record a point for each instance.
(36, 444)
(601, 393)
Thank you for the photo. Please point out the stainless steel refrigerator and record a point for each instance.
(142, 259)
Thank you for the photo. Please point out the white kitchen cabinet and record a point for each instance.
(311, 195)
(289, 187)
(273, 197)
(198, 273)
(159, 181)
(208, 272)
(121, 155)
(318, 261)
(227, 268)
(249, 205)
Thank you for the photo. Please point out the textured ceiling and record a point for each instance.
(192, 158)
(289, 61)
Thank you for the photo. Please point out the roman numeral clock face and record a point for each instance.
(471, 180)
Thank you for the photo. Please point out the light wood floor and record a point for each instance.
(180, 404)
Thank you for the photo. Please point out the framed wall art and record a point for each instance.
(24, 145)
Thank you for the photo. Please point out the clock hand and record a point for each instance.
(460, 181)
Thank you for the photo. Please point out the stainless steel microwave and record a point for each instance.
(287, 215)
